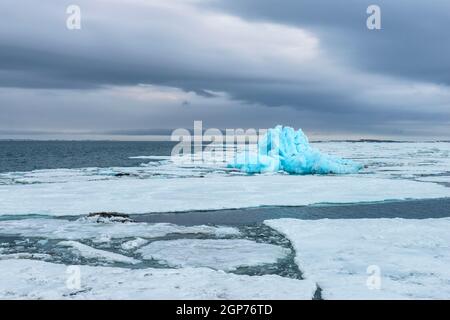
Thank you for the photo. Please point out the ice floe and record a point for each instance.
(151, 157)
(164, 195)
(134, 244)
(25, 255)
(153, 169)
(381, 159)
(88, 252)
(437, 179)
(27, 279)
(284, 149)
(217, 254)
(100, 232)
(395, 159)
(412, 257)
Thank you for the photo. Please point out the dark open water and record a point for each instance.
(408, 209)
(34, 155)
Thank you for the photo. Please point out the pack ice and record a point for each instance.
(284, 149)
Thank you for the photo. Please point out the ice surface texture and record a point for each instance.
(219, 254)
(345, 256)
(284, 149)
(157, 195)
(28, 279)
(83, 229)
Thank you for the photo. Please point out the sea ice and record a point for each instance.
(99, 232)
(151, 157)
(25, 255)
(218, 192)
(217, 254)
(344, 257)
(27, 279)
(284, 149)
(88, 252)
(133, 244)
(437, 179)
(395, 159)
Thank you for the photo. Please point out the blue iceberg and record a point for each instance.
(284, 149)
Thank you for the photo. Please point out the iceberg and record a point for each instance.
(284, 149)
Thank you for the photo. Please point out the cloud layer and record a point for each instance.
(162, 64)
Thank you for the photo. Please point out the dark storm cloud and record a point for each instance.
(354, 78)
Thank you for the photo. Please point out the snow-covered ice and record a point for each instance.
(27, 279)
(25, 255)
(218, 192)
(88, 252)
(134, 244)
(438, 179)
(84, 229)
(217, 254)
(413, 256)
(395, 159)
(151, 157)
(284, 149)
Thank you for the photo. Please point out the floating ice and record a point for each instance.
(284, 149)
(25, 255)
(372, 258)
(217, 254)
(437, 179)
(88, 252)
(151, 157)
(133, 244)
(83, 229)
(27, 279)
(157, 195)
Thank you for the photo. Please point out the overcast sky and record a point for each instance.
(161, 64)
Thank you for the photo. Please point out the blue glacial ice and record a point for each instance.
(284, 149)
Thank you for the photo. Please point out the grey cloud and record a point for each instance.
(127, 44)
(414, 40)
